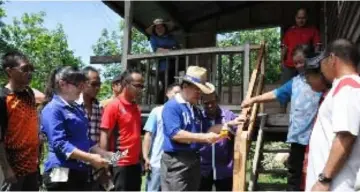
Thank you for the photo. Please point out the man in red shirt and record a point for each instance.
(301, 33)
(121, 130)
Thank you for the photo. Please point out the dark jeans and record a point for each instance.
(295, 166)
(77, 181)
(180, 171)
(127, 178)
(220, 184)
(24, 183)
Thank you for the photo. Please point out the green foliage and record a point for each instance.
(272, 38)
(46, 49)
(110, 43)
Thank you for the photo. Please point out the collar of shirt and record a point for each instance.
(61, 101)
(80, 101)
(179, 98)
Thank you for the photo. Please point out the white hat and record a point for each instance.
(197, 76)
(169, 25)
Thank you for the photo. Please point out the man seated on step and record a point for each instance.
(304, 105)
(216, 159)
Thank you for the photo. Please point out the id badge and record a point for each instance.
(59, 174)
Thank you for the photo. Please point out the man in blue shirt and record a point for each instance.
(183, 132)
(153, 141)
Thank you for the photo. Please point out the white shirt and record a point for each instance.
(340, 111)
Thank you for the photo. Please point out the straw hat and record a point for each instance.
(197, 76)
(170, 25)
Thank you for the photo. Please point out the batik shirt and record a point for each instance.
(304, 105)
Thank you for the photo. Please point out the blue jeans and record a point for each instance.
(153, 179)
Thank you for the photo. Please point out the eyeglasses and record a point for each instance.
(138, 86)
(95, 84)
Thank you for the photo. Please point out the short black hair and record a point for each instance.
(87, 69)
(12, 59)
(117, 79)
(345, 50)
(127, 76)
(171, 86)
(301, 8)
(306, 49)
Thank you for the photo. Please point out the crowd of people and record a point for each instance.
(184, 148)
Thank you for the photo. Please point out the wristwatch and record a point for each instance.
(323, 179)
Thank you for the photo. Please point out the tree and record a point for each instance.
(272, 38)
(46, 49)
(110, 43)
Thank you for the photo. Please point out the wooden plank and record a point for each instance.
(219, 85)
(156, 81)
(194, 51)
(246, 69)
(231, 62)
(258, 149)
(177, 66)
(254, 109)
(127, 33)
(187, 62)
(166, 75)
(238, 174)
(105, 59)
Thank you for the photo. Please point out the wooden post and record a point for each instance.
(246, 69)
(127, 33)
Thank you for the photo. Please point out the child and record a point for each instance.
(304, 104)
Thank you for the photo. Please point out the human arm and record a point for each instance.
(316, 41)
(282, 94)
(58, 137)
(155, 46)
(172, 119)
(345, 120)
(108, 122)
(150, 128)
(9, 174)
(284, 46)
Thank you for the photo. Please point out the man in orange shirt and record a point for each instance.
(19, 144)
(301, 33)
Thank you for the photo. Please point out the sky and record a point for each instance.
(82, 20)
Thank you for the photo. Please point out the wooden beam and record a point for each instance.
(240, 152)
(246, 69)
(195, 51)
(127, 33)
(105, 59)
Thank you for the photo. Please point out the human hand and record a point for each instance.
(211, 137)
(238, 120)
(321, 186)
(147, 166)
(98, 162)
(247, 103)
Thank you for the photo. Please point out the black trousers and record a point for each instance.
(180, 171)
(77, 181)
(295, 165)
(127, 178)
(207, 183)
(28, 182)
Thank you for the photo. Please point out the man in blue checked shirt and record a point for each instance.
(304, 106)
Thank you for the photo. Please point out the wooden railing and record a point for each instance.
(246, 129)
(231, 81)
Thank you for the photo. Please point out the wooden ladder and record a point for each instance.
(270, 126)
